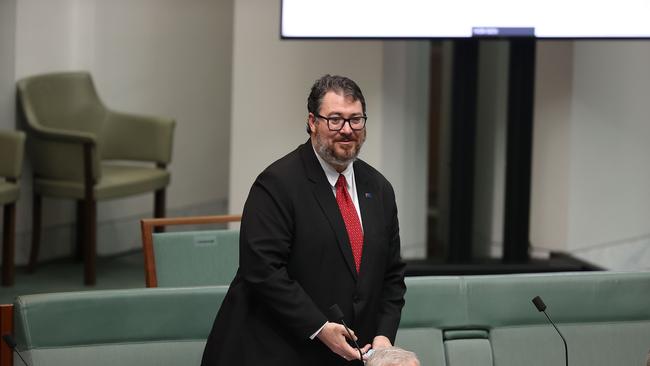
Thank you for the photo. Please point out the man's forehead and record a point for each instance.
(333, 98)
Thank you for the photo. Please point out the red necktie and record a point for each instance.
(351, 219)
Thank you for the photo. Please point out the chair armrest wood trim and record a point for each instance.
(6, 327)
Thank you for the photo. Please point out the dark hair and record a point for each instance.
(335, 83)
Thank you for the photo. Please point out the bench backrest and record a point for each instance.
(490, 320)
(164, 326)
(450, 321)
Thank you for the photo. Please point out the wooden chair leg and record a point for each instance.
(81, 235)
(36, 232)
(159, 208)
(6, 327)
(90, 249)
(8, 244)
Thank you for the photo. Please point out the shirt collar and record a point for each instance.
(332, 174)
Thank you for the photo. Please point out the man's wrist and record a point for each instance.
(316, 333)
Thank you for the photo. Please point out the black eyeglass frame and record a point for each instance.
(348, 120)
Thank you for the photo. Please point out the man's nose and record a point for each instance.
(347, 128)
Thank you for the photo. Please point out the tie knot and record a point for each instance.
(341, 182)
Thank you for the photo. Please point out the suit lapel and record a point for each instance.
(323, 193)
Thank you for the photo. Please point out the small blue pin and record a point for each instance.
(368, 195)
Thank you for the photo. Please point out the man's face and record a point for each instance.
(339, 148)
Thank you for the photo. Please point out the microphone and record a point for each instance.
(9, 340)
(337, 314)
(539, 304)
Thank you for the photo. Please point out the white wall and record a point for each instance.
(600, 181)
(609, 203)
(159, 57)
(271, 81)
(405, 139)
(551, 163)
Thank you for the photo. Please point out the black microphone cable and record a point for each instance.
(337, 314)
(539, 304)
(9, 340)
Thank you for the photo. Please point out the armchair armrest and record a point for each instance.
(64, 136)
(60, 154)
(136, 137)
(12, 147)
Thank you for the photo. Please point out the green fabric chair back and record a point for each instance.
(196, 258)
(142, 327)
(66, 101)
(490, 320)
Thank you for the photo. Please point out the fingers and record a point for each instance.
(354, 336)
(381, 342)
(334, 337)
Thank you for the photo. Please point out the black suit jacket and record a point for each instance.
(296, 261)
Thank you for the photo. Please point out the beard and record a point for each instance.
(326, 150)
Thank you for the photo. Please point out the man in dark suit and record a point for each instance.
(319, 228)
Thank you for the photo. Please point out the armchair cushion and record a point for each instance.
(116, 181)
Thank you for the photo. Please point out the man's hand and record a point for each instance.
(334, 336)
(381, 342)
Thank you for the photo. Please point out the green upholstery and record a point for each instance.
(63, 111)
(9, 192)
(426, 342)
(84, 151)
(127, 327)
(447, 321)
(468, 352)
(118, 181)
(196, 258)
(11, 161)
(491, 320)
(606, 343)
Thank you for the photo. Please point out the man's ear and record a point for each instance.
(311, 122)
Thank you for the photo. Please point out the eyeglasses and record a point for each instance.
(336, 123)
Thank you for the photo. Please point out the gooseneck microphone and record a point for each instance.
(337, 314)
(539, 304)
(9, 340)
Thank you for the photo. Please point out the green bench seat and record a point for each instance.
(490, 320)
(447, 321)
(160, 326)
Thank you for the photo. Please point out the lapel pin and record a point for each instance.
(368, 195)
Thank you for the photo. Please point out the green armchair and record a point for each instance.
(11, 160)
(79, 147)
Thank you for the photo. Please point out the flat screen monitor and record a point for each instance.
(465, 18)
